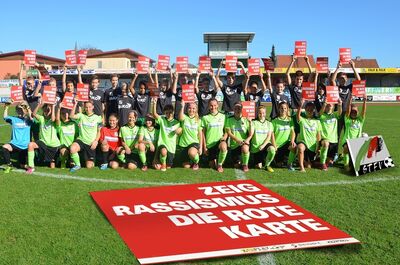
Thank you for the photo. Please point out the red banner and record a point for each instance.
(68, 100)
(344, 55)
(82, 92)
(308, 91)
(231, 63)
(29, 57)
(188, 93)
(249, 109)
(300, 48)
(322, 64)
(268, 64)
(182, 64)
(49, 95)
(253, 66)
(163, 63)
(204, 64)
(197, 221)
(70, 57)
(332, 94)
(43, 72)
(358, 88)
(154, 90)
(16, 94)
(143, 65)
(82, 55)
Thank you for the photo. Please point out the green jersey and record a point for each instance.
(149, 136)
(67, 132)
(190, 131)
(282, 130)
(88, 127)
(261, 131)
(352, 128)
(47, 131)
(167, 136)
(309, 129)
(329, 123)
(239, 128)
(214, 128)
(130, 136)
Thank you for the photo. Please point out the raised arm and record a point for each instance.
(219, 82)
(154, 109)
(311, 75)
(246, 77)
(36, 109)
(64, 79)
(340, 109)
(156, 78)
(21, 79)
(212, 75)
(315, 80)
(269, 83)
(263, 85)
(353, 66)
(181, 115)
(79, 68)
(196, 83)
(132, 84)
(53, 112)
(37, 89)
(364, 108)
(349, 107)
(334, 74)
(245, 83)
(150, 76)
(73, 114)
(289, 79)
(6, 106)
(58, 115)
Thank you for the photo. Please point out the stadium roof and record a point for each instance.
(283, 61)
(117, 53)
(228, 36)
(18, 54)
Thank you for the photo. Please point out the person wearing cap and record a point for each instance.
(239, 131)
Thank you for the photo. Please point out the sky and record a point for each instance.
(175, 28)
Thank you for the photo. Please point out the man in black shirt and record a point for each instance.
(177, 91)
(251, 91)
(165, 96)
(97, 96)
(204, 95)
(277, 95)
(111, 96)
(125, 105)
(230, 90)
(142, 98)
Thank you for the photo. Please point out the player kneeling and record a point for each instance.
(67, 132)
(191, 136)
(129, 135)
(261, 146)
(48, 142)
(89, 125)
(148, 136)
(110, 142)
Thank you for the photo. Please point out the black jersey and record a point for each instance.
(231, 96)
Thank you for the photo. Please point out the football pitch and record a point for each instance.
(50, 218)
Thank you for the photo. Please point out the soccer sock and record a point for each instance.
(31, 158)
(196, 159)
(323, 155)
(163, 159)
(7, 156)
(142, 156)
(245, 159)
(104, 156)
(75, 158)
(292, 157)
(346, 159)
(221, 157)
(121, 157)
(270, 156)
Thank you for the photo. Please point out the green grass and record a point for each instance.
(52, 221)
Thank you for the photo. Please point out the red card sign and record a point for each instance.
(359, 88)
(249, 109)
(49, 94)
(43, 72)
(182, 64)
(300, 48)
(154, 90)
(82, 55)
(188, 93)
(332, 94)
(16, 94)
(142, 66)
(163, 63)
(268, 64)
(231, 63)
(344, 55)
(253, 65)
(82, 92)
(322, 64)
(30, 57)
(197, 221)
(68, 100)
(204, 64)
(70, 57)
(308, 91)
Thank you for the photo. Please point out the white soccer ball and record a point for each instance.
(364, 135)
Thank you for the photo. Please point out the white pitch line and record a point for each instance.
(266, 258)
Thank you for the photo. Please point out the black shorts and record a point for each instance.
(185, 150)
(213, 152)
(332, 150)
(49, 153)
(170, 156)
(308, 154)
(236, 154)
(282, 152)
(88, 153)
(22, 153)
(259, 157)
(133, 158)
